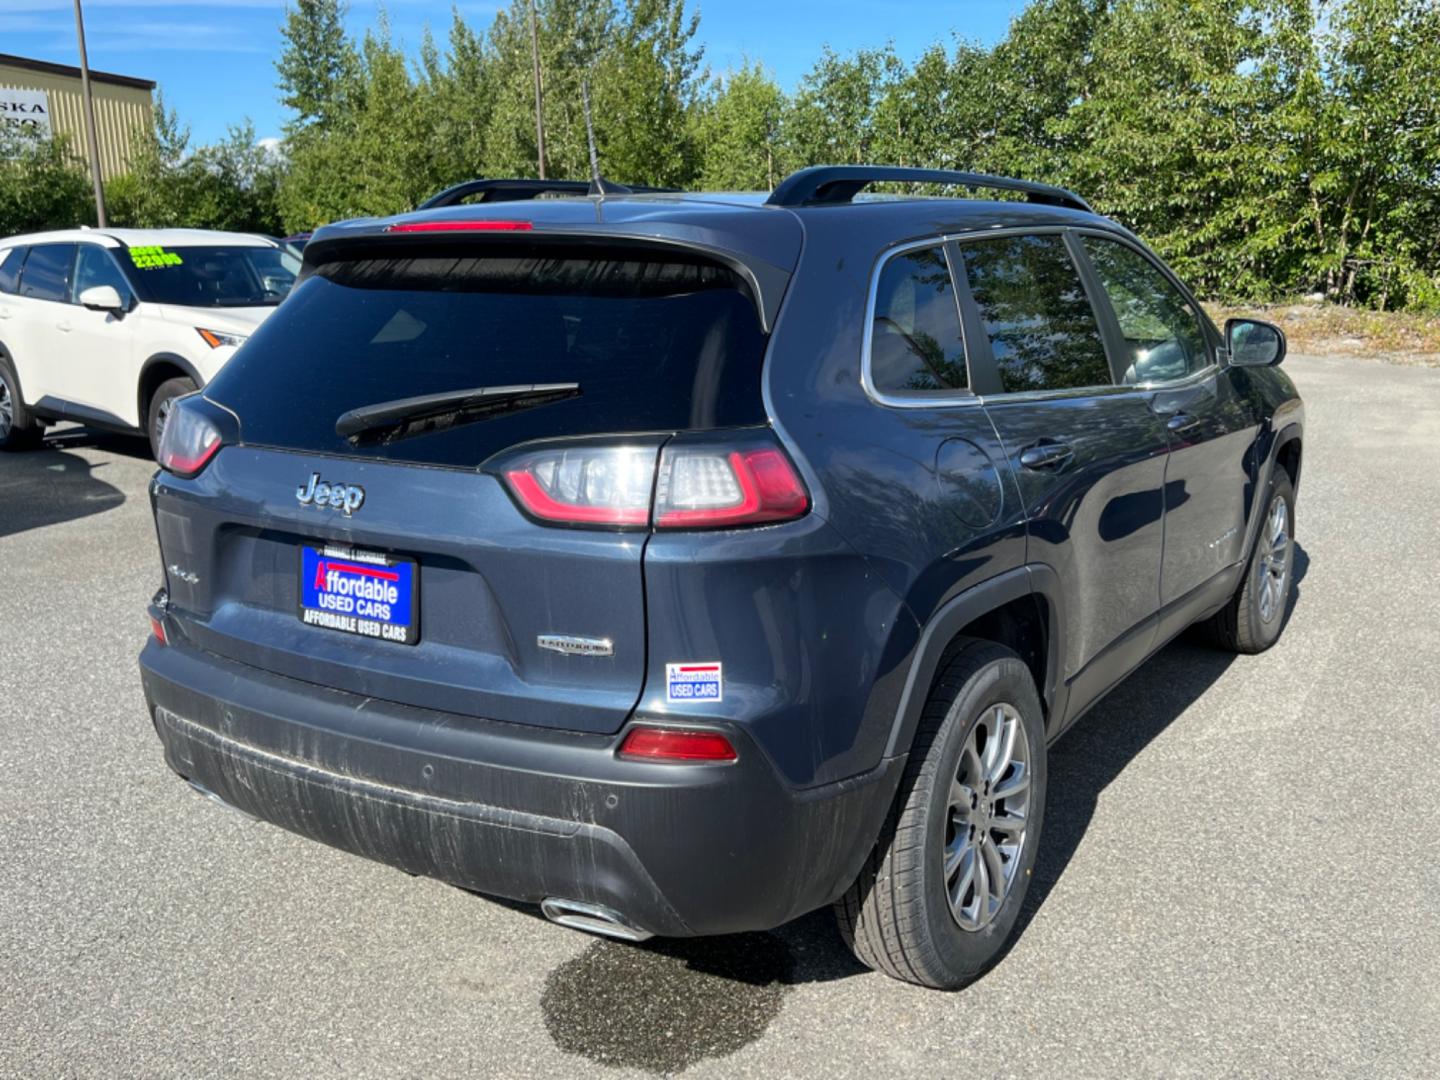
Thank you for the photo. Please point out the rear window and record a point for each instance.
(211, 276)
(655, 345)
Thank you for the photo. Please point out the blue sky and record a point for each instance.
(214, 59)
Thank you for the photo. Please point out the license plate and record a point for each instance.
(360, 592)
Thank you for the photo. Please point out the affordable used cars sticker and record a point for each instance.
(152, 258)
(693, 682)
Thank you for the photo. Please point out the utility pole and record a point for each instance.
(90, 136)
(539, 92)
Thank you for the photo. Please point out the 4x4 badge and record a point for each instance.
(346, 498)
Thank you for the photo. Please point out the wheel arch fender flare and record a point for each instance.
(1289, 433)
(1292, 432)
(161, 359)
(1035, 580)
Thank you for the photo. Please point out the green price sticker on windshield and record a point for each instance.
(152, 258)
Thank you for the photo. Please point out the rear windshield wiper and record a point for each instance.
(387, 421)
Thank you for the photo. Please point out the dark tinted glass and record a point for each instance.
(655, 346)
(10, 261)
(915, 342)
(1041, 327)
(1162, 333)
(46, 274)
(213, 276)
(94, 266)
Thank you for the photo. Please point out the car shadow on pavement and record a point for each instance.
(73, 437)
(1103, 742)
(663, 1005)
(51, 486)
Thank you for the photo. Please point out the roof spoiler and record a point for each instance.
(515, 190)
(833, 185)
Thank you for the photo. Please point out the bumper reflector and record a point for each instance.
(674, 744)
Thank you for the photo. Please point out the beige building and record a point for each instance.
(45, 99)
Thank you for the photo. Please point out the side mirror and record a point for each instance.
(1253, 343)
(102, 298)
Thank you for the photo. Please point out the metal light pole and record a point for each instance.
(90, 136)
(539, 93)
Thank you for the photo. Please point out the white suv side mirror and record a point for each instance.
(102, 298)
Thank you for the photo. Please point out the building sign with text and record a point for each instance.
(26, 112)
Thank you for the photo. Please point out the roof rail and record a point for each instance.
(496, 190)
(829, 185)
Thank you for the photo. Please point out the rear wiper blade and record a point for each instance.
(387, 421)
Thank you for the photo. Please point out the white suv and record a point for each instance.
(108, 326)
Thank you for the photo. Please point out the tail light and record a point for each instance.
(676, 744)
(705, 488)
(189, 440)
(157, 631)
(696, 486)
(586, 485)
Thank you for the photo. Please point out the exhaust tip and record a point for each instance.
(592, 918)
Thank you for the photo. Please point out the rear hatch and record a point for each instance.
(642, 342)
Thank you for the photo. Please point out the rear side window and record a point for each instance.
(10, 261)
(915, 340)
(655, 345)
(1162, 333)
(46, 275)
(1042, 330)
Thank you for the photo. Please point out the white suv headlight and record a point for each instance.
(217, 339)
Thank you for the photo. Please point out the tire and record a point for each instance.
(19, 430)
(1255, 616)
(897, 917)
(159, 410)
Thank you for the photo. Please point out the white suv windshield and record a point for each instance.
(211, 276)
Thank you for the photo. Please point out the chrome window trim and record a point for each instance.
(939, 399)
(954, 398)
(1111, 390)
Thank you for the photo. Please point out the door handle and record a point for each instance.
(1180, 422)
(1050, 455)
(63, 327)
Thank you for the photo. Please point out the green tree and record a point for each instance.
(316, 65)
(645, 83)
(737, 133)
(231, 185)
(43, 185)
(833, 117)
(1366, 122)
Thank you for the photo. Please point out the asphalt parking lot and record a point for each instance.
(1240, 877)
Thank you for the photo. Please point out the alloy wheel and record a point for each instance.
(1274, 559)
(987, 818)
(7, 410)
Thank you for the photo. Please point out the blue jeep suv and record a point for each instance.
(684, 563)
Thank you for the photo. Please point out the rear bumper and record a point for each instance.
(512, 811)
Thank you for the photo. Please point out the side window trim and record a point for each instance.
(938, 399)
(990, 370)
(979, 360)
